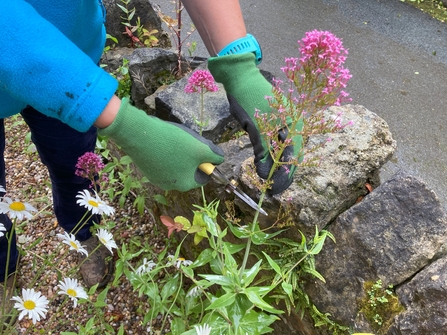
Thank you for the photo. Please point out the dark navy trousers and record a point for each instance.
(59, 148)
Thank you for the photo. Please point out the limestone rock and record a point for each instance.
(174, 104)
(391, 235)
(149, 67)
(351, 159)
(424, 299)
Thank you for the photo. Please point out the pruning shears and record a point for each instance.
(230, 186)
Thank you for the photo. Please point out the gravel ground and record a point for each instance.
(28, 181)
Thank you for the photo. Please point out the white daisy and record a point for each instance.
(93, 203)
(106, 238)
(203, 330)
(181, 261)
(71, 288)
(72, 242)
(2, 229)
(194, 292)
(32, 303)
(145, 267)
(16, 209)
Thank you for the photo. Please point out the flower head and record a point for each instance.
(181, 261)
(70, 240)
(89, 166)
(201, 81)
(93, 203)
(203, 330)
(16, 209)
(145, 267)
(32, 303)
(71, 288)
(194, 292)
(106, 238)
(2, 229)
(178, 262)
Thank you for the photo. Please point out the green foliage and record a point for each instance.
(139, 36)
(435, 8)
(122, 182)
(380, 305)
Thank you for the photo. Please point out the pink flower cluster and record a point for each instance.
(89, 166)
(321, 62)
(201, 81)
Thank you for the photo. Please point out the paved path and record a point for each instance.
(398, 58)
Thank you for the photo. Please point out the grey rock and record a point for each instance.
(113, 58)
(174, 104)
(148, 18)
(149, 67)
(424, 299)
(391, 235)
(350, 160)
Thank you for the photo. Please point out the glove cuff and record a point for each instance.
(234, 70)
(117, 126)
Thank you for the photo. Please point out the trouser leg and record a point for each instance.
(4, 245)
(59, 147)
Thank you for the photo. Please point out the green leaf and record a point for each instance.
(255, 322)
(188, 271)
(288, 288)
(315, 273)
(125, 160)
(160, 199)
(217, 279)
(259, 237)
(233, 248)
(237, 310)
(239, 232)
(177, 326)
(256, 299)
(273, 264)
(204, 258)
(183, 221)
(250, 274)
(100, 300)
(223, 301)
(197, 239)
(211, 225)
(170, 287)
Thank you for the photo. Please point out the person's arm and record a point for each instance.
(41, 67)
(218, 22)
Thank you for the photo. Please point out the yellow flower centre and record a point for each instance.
(17, 206)
(93, 203)
(74, 245)
(29, 305)
(103, 240)
(181, 259)
(71, 292)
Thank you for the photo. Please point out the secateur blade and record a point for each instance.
(211, 170)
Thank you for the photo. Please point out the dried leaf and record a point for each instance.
(171, 224)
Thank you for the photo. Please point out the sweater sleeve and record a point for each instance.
(41, 67)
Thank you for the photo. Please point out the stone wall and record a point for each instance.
(395, 233)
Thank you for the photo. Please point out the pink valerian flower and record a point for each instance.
(319, 69)
(201, 81)
(89, 166)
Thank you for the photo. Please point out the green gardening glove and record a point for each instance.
(167, 153)
(246, 90)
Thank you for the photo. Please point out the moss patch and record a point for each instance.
(380, 305)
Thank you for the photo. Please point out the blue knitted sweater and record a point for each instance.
(48, 59)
